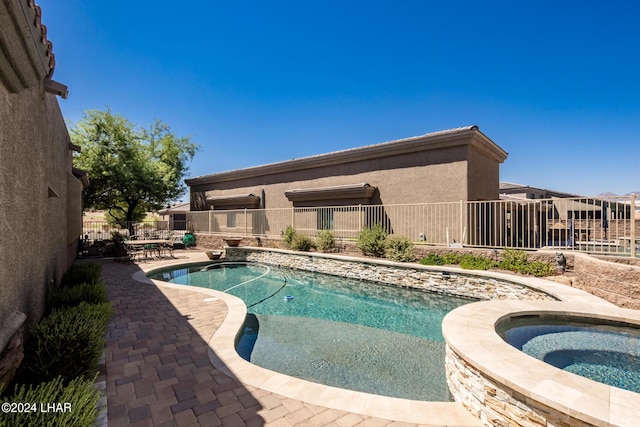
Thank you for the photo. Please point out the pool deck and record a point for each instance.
(170, 361)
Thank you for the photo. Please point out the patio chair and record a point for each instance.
(134, 251)
(168, 245)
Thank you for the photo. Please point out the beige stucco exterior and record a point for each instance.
(40, 197)
(445, 166)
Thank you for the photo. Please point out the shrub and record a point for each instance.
(471, 262)
(325, 240)
(513, 260)
(538, 269)
(371, 241)
(302, 242)
(95, 293)
(68, 342)
(289, 235)
(452, 258)
(400, 249)
(432, 259)
(81, 273)
(79, 394)
(516, 260)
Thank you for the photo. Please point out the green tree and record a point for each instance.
(131, 170)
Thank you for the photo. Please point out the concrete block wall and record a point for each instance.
(617, 283)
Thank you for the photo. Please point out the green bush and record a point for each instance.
(81, 273)
(452, 258)
(432, 259)
(513, 260)
(399, 249)
(79, 396)
(516, 260)
(289, 235)
(471, 262)
(372, 241)
(302, 242)
(68, 342)
(92, 293)
(325, 240)
(538, 269)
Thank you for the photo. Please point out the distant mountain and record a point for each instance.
(610, 194)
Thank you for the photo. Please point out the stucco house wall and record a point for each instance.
(40, 197)
(446, 166)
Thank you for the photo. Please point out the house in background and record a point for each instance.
(176, 215)
(40, 191)
(453, 165)
(567, 218)
(522, 191)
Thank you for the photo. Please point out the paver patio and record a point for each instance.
(158, 371)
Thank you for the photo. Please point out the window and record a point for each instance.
(231, 219)
(325, 218)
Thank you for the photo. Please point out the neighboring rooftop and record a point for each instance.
(433, 140)
(522, 191)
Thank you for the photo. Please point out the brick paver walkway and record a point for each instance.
(158, 371)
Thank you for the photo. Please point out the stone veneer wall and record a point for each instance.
(496, 404)
(420, 277)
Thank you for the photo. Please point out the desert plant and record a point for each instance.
(79, 396)
(67, 342)
(513, 259)
(81, 273)
(371, 241)
(432, 259)
(289, 235)
(92, 293)
(516, 260)
(302, 242)
(400, 249)
(452, 258)
(325, 240)
(472, 262)
(538, 268)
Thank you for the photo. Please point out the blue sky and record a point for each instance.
(555, 84)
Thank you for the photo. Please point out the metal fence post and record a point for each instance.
(633, 225)
(359, 217)
(245, 222)
(210, 212)
(462, 236)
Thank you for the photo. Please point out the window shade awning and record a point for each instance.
(234, 201)
(362, 191)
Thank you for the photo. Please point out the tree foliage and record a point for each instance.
(131, 170)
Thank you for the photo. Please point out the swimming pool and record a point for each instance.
(347, 333)
(606, 352)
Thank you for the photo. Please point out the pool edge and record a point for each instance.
(223, 356)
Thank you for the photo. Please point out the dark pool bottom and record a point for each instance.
(348, 356)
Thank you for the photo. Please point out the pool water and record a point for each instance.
(347, 333)
(605, 353)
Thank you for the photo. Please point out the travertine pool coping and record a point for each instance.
(470, 332)
(224, 356)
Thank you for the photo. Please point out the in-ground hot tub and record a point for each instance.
(501, 384)
(598, 349)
